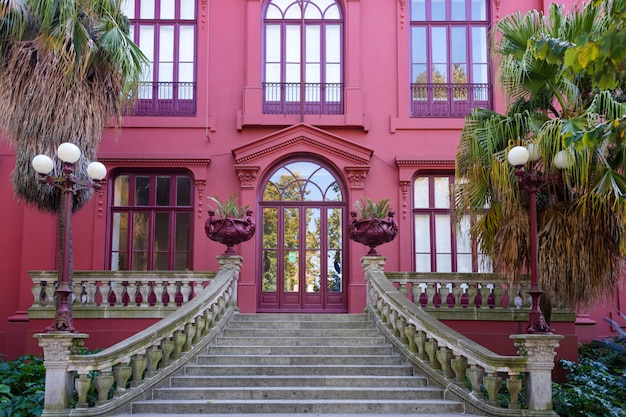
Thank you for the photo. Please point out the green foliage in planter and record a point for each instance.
(229, 207)
(367, 208)
(23, 387)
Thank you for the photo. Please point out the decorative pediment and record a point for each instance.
(302, 138)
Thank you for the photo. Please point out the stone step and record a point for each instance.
(296, 393)
(286, 324)
(383, 349)
(364, 370)
(430, 406)
(300, 341)
(301, 317)
(307, 333)
(284, 360)
(267, 381)
(298, 415)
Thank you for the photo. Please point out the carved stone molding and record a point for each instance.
(357, 176)
(405, 187)
(247, 175)
(200, 186)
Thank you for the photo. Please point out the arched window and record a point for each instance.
(303, 57)
(449, 57)
(151, 221)
(165, 31)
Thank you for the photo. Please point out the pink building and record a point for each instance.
(301, 107)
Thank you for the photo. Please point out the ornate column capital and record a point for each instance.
(357, 176)
(247, 175)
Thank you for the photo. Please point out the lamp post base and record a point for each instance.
(536, 320)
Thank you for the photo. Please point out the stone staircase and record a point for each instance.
(288, 364)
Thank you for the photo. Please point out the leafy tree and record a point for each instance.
(580, 216)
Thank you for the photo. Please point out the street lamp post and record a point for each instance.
(532, 180)
(69, 185)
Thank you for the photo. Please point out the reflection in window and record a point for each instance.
(302, 181)
(151, 226)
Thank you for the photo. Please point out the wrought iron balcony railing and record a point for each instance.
(306, 98)
(448, 100)
(166, 99)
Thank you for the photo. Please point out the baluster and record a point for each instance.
(138, 363)
(391, 323)
(208, 315)
(38, 294)
(431, 290)
(158, 293)
(171, 292)
(505, 299)
(144, 290)
(91, 290)
(201, 328)
(121, 373)
(497, 294)
(514, 385)
(459, 366)
(444, 356)
(409, 335)
(118, 290)
(179, 341)
(185, 291)
(475, 375)
(492, 384)
(491, 298)
(131, 290)
(49, 289)
(403, 289)
(478, 300)
(385, 314)
(450, 299)
(153, 357)
(190, 332)
(105, 291)
(167, 347)
(417, 292)
(458, 291)
(82, 385)
(400, 326)
(77, 291)
(431, 351)
(103, 383)
(420, 344)
(471, 294)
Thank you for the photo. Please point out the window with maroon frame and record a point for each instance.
(442, 245)
(449, 57)
(151, 221)
(303, 57)
(165, 31)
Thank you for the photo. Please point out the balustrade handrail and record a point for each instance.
(451, 358)
(150, 355)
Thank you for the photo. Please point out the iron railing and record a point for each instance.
(165, 99)
(305, 98)
(448, 100)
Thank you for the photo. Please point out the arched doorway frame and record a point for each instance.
(321, 298)
(254, 159)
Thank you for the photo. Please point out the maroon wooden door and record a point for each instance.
(303, 218)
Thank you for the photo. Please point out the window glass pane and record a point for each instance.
(444, 263)
(146, 8)
(187, 9)
(332, 12)
(335, 220)
(292, 46)
(183, 231)
(167, 9)
(464, 262)
(418, 10)
(269, 270)
(479, 76)
(333, 43)
(439, 46)
(438, 9)
(142, 191)
(418, 44)
(292, 75)
(140, 231)
(272, 43)
(422, 262)
(160, 261)
(458, 10)
(140, 261)
(312, 48)
(128, 8)
(166, 43)
(293, 12)
(421, 193)
(485, 264)
(119, 239)
(272, 73)
(333, 75)
(463, 240)
(313, 269)
(186, 43)
(273, 12)
(292, 224)
(442, 234)
(442, 192)
(163, 190)
(334, 271)
(120, 197)
(479, 45)
(459, 45)
(181, 261)
(479, 10)
(313, 228)
(311, 11)
(313, 76)
(422, 233)
(161, 238)
(270, 228)
(146, 41)
(183, 191)
(291, 271)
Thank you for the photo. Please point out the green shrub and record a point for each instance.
(22, 388)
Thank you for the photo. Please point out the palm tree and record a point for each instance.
(66, 68)
(580, 217)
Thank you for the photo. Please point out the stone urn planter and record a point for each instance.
(372, 229)
(229, 224)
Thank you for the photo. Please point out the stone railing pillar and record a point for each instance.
(540, 350)
(57, 348)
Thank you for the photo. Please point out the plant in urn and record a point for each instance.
(229, 223)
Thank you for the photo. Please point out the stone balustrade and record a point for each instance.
(465, 368)
(127, 370)
(119, 294)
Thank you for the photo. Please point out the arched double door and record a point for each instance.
(303, 216)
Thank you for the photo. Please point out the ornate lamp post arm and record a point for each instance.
(69, 186)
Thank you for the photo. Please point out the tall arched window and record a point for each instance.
(449, 57)
(303, 57)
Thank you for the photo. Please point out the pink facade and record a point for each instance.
(369, 140)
